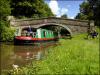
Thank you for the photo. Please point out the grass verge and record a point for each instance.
(75, 56)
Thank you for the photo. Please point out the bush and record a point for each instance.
(6, 33)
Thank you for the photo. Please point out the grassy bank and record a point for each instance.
(75, 56)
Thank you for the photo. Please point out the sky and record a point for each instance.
(60, 7)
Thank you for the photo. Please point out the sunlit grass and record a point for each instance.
(75, 56)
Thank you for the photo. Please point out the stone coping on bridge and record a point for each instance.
(31, 21)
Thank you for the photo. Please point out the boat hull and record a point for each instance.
(29, 40)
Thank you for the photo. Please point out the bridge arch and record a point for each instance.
(55, 24)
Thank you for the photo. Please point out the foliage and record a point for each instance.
(64, 16)
(90, 11)
(30, 8)
(76, 56)
(81, 16)
(85, 12)
(5, 9)
(6, 33)
(96, 8)
(85, 8)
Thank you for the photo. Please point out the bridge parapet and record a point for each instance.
(24, 22)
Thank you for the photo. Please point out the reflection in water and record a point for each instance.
(27, 52)
(21, 55)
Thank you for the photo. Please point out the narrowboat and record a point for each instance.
(33, 36)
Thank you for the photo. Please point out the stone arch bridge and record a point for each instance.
(71, 25)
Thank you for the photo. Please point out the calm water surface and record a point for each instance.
(21, 55)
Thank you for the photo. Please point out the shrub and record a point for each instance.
(6, 32)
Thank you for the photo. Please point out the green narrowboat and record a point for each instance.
(32, 36)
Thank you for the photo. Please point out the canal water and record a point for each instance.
(21, 55)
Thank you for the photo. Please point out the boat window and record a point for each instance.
(34, 34)
(44, 33)
(28, 32)
(24, 33)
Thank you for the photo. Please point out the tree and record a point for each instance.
(85, 12)
(64, 16)
(6, 33)
(90, 10)
(95, 6)
(5, 9)
(81, 16)
(30, 8)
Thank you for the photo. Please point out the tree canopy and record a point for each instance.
(90, 10)
(5, 9)
(85, 12)
(30, 8)
(64, 16)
